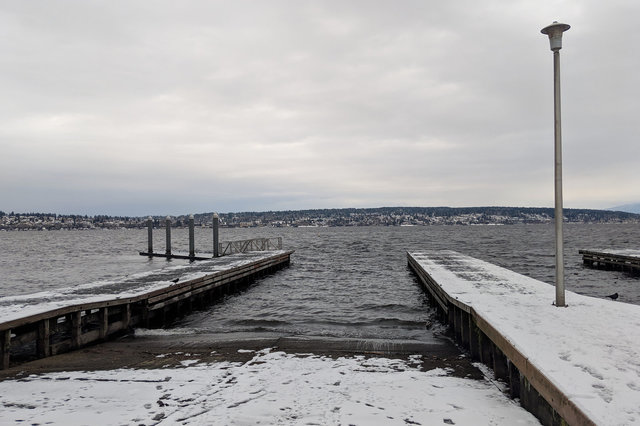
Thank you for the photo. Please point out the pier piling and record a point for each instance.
(167, 223)
(5, 348)
(215, 225)
(219, 248)
(150, 234)
(192, 243)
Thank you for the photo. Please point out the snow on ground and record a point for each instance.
(590, 349)
(15, 307)
(272, 388)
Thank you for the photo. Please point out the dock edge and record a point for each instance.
(537, 394)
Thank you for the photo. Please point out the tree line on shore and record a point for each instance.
(381, 216)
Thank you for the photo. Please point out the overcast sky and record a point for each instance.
(164, 107)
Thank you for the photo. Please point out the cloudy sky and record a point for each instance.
(163, 107)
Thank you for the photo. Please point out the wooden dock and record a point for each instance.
(573, 365)
(37, 328)
(626, 260)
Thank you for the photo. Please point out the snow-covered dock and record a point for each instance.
(628, 260)
(580, 364)
(47, 323)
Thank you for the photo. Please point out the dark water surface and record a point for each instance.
(342, 282)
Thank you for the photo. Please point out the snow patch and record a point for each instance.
(272, 388)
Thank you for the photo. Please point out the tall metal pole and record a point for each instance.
(558, 181)
(554, 31)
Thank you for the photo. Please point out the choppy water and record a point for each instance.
(344, 282)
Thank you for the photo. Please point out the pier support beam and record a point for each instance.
(43, 346)
(465, 337)
(5, 348)
(486, 353)
(475, 339)
(514, 380)
(145, 314)
(76, 328)
(500, 367)
(103, 318)
(126, 316)
(451, 317)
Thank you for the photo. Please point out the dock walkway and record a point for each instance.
(626, 260)
(580, 364)
(43, 324)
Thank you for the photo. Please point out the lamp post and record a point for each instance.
(554, 31)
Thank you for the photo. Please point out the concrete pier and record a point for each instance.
(572, 365)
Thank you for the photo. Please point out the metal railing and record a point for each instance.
(243, 246)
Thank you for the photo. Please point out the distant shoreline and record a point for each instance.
(382, 216)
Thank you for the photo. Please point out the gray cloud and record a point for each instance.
(164, 107)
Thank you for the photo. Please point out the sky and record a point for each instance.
(159, 107)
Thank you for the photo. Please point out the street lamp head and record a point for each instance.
(554, 31)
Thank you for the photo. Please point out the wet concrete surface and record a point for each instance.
(169, 350)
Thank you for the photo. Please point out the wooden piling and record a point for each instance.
(43, 344)
(216, 243)
(76, 328)
(475, 340)
(500, 368)
(167, 224)
(486, 353)
(192, 244)
(150, 234)
(103, 320)
(514, 380)
(126, 316)
(464, 329)
(5, 348)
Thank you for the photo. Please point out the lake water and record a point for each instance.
(342, 282)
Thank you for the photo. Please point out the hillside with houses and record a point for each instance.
(382, 216)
